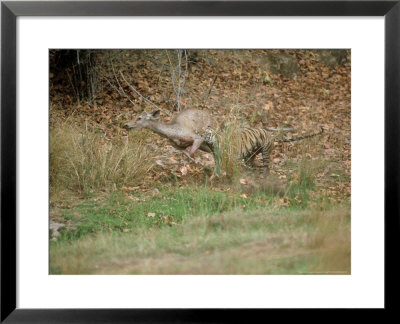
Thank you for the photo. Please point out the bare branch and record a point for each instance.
(178, 95)
(171, 67)
(139, 94)
(178, 80)
(182, 85)
(211, 86)
(123, 93)
(186, 69)
(115, 76)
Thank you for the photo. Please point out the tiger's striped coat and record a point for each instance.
(254, 141)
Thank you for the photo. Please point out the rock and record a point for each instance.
(54, 228)
(279, 63)
(333, 57)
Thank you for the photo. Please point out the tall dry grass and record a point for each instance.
(227, 147)
(82, 160)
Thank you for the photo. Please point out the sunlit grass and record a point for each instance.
(200, 230)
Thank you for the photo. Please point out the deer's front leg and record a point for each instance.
(196, 144)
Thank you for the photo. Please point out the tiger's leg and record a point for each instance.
(265, 158)
(249, 160)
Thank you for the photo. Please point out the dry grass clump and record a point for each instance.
(227, 148)
(82, 160)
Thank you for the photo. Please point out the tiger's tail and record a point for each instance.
(299, 138)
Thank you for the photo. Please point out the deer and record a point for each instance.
(184, 130)
(195, 129)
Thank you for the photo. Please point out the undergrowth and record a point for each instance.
(84, 160)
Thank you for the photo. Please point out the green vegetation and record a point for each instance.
(200, 230)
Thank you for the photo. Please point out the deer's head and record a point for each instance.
(143, 120)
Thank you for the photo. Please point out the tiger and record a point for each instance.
(253, 141)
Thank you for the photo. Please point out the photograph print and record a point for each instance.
(200, 161)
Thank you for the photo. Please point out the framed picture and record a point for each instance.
(197, 160)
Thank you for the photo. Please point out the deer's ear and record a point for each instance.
(155, 114)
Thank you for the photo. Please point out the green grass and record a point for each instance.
(200, 230)
(121, 213)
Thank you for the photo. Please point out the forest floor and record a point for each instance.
(128, 202)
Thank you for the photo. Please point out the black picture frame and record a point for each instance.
(9, 13)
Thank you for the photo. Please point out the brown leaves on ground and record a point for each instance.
(222, 82)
